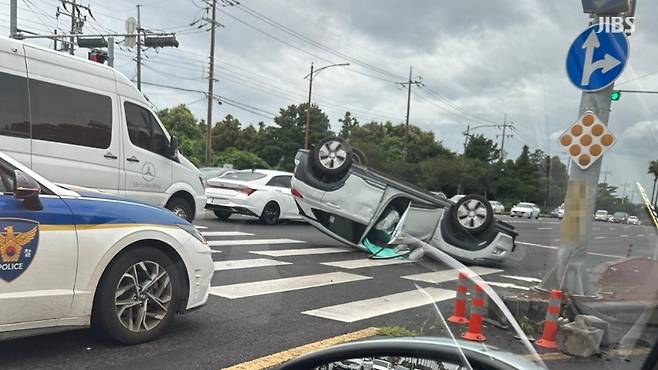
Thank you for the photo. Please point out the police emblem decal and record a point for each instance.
(19, 240)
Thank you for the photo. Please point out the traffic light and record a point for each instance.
(160, 41)
(92, 42)
(615, 95)
(98, 56)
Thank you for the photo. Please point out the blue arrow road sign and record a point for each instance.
(596, 59)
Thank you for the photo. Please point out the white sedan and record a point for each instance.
(261, 193)
(498, 208)
(524, 209)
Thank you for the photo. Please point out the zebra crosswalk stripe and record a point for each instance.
(447, 275)
(225, 243)
(225, 233)
(365, 262)
(248, 263)
(256, 288)
(300, 252)
(367, 308)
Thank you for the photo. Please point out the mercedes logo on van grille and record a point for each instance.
(148, 171)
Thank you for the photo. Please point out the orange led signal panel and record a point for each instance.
(586, 140)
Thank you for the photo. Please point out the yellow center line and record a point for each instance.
(287, 355)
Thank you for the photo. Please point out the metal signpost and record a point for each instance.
(595, 60)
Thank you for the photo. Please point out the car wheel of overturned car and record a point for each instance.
(137, 296)
(222, 215)
(332, 156)
(472, 213)
(359, 158)
(271, 213)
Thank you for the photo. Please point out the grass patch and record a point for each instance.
(528, 326)
(396, 331)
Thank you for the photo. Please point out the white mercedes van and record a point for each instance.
(84, 124)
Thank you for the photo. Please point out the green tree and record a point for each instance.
(279, 143)
(180, 122)
(225, 134)
(239, 159)
(482, 149)
(348, 123)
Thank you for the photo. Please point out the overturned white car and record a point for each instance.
(340, 196)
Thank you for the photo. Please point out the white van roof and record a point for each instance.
(116, 81)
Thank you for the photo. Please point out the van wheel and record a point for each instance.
(271, 213)
(181, 208)
(136, 297)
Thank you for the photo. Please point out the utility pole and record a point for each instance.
(73, 19)
(569, 274)
(624, 186)
(211, 81)
(308, 108)
(139, 48)
(467, 135)
(605, 176)
(503, 136)
(13, 18)
(418, 82)
(110, 51)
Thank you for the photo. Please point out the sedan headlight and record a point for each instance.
(194, 232)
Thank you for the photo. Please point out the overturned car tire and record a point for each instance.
(472, 214)
(332, 157)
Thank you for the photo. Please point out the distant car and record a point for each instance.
(619, 217)
(558, 212)
(457, 197)
(498, 208)
(633, 220)
(524, 209)
(610, 218)
(601, 215)
(208, 173)
(261, 193)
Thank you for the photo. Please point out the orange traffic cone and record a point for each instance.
(459, 311)
(474, 332)
(550, 324)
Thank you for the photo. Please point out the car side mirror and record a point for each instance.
(27, 189)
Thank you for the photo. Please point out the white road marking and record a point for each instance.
(507, 285)
(640, 235)
(249, 263)
(301, 252)
(224, 243)
(200, 227)
(214, 251)
(225, 233)
(599, 237)
(623, 236)
(234, 291)
(522, 278)
(556, 240)
(544, 228)
(555, 248)
(367, 308)
(365, 262)
(447, 275)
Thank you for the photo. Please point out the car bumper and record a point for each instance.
(200, 270)
(232, 205)
(520, 214)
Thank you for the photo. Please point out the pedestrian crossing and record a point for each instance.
(258, 274)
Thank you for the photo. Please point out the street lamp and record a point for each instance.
(310, 77)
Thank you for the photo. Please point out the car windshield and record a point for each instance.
(253, 180)
(243, 176)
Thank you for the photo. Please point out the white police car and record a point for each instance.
(69, 259)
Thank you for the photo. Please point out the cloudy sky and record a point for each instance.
(479, 61)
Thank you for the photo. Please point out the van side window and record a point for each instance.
(71, 116)
(144, 130)
(14, 114)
